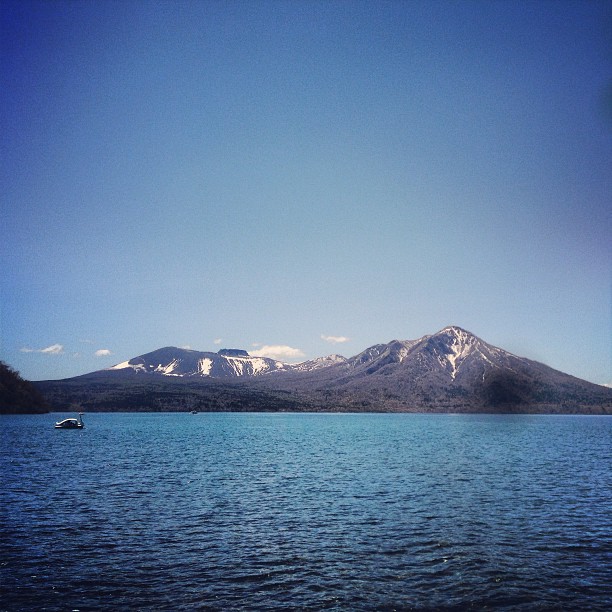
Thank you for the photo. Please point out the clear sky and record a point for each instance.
(302, 178)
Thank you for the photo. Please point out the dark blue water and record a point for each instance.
(294, 511)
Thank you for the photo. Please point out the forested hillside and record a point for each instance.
(18, 396)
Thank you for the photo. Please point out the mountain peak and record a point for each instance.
(233, 353)
(455, 330)
(451, 346)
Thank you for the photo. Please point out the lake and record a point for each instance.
(221, 511)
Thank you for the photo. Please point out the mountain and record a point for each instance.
(317, 364)
(225, 364)
(449, 371)
(454, 370)
(177, 362)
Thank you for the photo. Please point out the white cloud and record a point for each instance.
(278, 351)
(335, 339)
(217, 340)
(102, 353)
(54, 349)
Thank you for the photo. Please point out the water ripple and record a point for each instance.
(312, 512)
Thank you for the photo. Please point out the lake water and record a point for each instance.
(253, 511)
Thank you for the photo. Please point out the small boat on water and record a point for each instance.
(71, 423)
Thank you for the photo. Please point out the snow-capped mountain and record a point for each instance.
(179, 362)
(227, 363)
(317, 364)
(451, 350)
(453, 354)
(451, 370)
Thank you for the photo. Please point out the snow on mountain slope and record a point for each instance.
(318, 363)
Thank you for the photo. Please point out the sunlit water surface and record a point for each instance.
(306, 511)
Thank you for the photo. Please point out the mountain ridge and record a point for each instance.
(174, 361)
(450, 370)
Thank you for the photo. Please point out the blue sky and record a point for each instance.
(302, 178)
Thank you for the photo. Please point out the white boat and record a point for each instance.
(71, 423)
